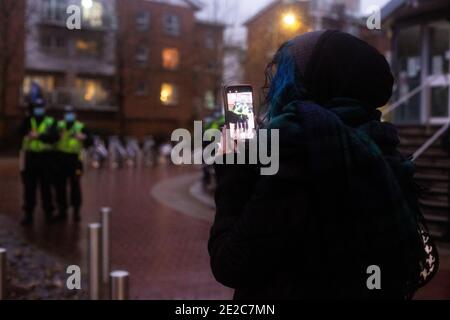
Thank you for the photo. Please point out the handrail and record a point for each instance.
(408, 96)
(402, 100)
(430, 141)
(435, 137)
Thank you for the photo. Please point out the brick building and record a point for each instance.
(136, 67)
(208, 72)
(73, 67)
(169, 65)
(12, 34)
(282, 20)
(267, 30)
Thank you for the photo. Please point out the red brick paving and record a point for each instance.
(164, 250)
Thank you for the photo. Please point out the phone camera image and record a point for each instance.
(240, 114)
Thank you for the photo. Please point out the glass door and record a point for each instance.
(408, 71)
(439, 72)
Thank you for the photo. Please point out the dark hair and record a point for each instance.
(285, 85)
(339, 65)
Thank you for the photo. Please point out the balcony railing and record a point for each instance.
(59, 98)
(59, 19)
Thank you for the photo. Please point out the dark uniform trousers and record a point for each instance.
(70, 170)
(38, 172)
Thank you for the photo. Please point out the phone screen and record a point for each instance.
(240, 116)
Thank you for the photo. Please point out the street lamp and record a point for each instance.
(290, 21)
(87, 4)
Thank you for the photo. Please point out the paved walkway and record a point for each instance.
(159, 229)
(164, 250)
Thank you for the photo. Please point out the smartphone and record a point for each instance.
(239, 111)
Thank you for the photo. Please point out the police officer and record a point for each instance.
(39, 133)
(73, 138)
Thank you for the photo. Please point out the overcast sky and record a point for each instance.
(235, 12)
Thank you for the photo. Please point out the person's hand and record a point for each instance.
(227, 145)
(80, 136)
(33, 134)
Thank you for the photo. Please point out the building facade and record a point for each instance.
(136, 67)
(168, 65)
(209, 68)
(267, 30)
(12, 35)
(282, 20)
(73, 67)
(420, 36)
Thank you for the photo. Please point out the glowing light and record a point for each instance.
(87, 4)
(90, 91)
(289, 19)
(166, 93)
(171, 58)
(169, 94)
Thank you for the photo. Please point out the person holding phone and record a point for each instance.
(343, 200)
(239, 111)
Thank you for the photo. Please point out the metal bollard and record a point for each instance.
(3, 261)
(106, 243)
(95, 269)
(120, 286)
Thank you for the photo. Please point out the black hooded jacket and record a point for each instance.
(341, 200)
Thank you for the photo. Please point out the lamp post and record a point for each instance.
(290, 21)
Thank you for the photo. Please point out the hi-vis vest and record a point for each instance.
(68, 143)
(36, 145)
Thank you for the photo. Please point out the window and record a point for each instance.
(92, 13)
(209, 40)
(209, 100)
(60, 42)
(142, 55)
(143, 21)
(51, 41)
(54, 10)
(169, 94)
(46, 42)
(211, 66)
(87, 47)
(172, 25)
(91, 92)
(170, 58)
(141, 89)
(47, 83)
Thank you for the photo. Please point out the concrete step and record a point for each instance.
(436, 191)
(431, 177)
(417, 142)
(434, 153)
(436, 231)
(433, 170)
(435, 211)
(434, 204)
(414, 130)
(430, 162)
(434, 197)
